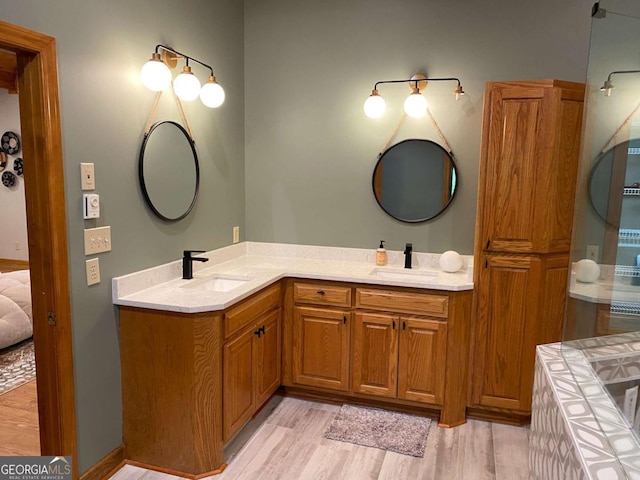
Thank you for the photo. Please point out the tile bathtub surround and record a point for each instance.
(263, 264)
(572, 437)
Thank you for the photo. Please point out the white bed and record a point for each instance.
(16, 319)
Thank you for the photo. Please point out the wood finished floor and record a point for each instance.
(285, 441)
(19, 433)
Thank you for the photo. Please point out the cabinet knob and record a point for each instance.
(320, 292)
(393, 324)
(404, 325)
(257, 332)
(488, 243)
(261, 329)
(344, 319)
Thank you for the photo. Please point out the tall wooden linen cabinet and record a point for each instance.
(527, 182)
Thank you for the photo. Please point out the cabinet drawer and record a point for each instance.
(240, 316)
(322, 294)
(405, 302)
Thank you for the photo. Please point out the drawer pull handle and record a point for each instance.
(320, 292)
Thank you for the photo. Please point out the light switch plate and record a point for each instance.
(87, 176)
(97, 240)
(236, 234)
(93, 271)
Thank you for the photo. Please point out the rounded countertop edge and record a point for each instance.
(222, 301)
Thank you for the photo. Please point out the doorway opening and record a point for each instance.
(19, 431)
(37, 80)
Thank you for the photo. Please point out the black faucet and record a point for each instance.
(187, 263)
(408, 248)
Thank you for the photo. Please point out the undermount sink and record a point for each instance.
(217, 283)
(405, 274)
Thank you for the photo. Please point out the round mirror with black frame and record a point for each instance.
(168, 171)
(415, 180)
(614, 176)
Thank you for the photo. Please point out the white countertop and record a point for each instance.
(604, 290)
(261, 264)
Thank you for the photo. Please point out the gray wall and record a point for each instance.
(309, 66)
(101, 47)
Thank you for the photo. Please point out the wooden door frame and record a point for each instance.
(47, 230)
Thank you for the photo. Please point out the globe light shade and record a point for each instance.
(415, 105)
(155, 74)
(186, 85)
(374, 105)
(211, 93)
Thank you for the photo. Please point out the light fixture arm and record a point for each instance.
(187, 57)
(418, 80)
(621, 72)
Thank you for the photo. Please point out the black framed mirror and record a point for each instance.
(168, 170)
(415, 180)
(614, 177)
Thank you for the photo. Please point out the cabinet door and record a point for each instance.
(375, 354)
(531, 143)
(267, 357)
(506, 331)
(513, 154)
(238, 397)
(423, 353)
(321, 348)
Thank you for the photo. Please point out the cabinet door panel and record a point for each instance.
(512, 160)
(505, 332)
(321, 348)
(375, 354)
(423, 350)
(238, 397)
(267, 357)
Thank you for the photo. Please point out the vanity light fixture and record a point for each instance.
(415, 105)
(156, 76)
(607, 86)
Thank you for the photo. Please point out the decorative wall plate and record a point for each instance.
(17, 166)
(10, 143)
(3, 160)
(8, 179)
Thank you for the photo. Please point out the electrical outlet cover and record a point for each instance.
(93, 271)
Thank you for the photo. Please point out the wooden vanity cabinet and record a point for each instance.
(251, 358)
(191, 380)
(375, 354)
(251, 371)
(321, 336)
(422, 362)
(403, 346)
(172, 390)
(398, 356)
